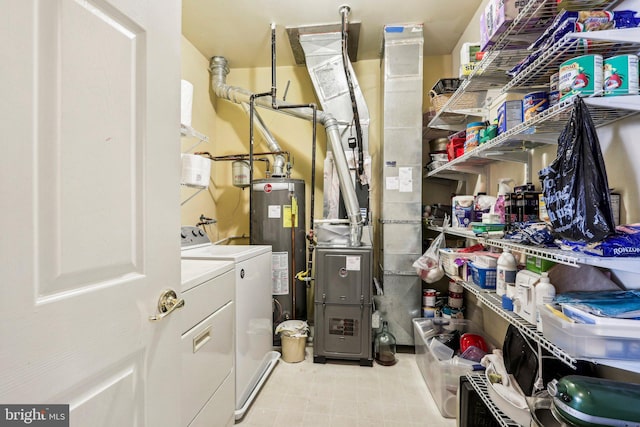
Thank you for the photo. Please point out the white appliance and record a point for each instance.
(207, 343)
(524, 303)
(254, 355)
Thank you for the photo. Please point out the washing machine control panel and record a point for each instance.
(190, 236)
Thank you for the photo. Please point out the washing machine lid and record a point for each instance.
(196, 272)
(235, 253)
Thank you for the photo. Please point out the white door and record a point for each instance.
(89, 194)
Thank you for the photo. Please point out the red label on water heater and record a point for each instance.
(267, 188)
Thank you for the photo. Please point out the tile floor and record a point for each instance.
(342, 393)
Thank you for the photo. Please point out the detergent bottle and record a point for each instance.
(506, 272)
(503, 189)
(545, 292)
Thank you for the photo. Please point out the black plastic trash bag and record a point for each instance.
(574, 185)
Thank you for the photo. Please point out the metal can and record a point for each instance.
(621, 75)
(429, 298)
(455, 295)
(455, 300)
(455, 287)
(473, 135)
(533, 104)
(554, 98)
(429, 312)
(553, 82)
(583, 74)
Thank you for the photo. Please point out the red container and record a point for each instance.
(455, 147)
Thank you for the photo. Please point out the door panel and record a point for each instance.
(90, 145)
(114, 399)
(91, 175)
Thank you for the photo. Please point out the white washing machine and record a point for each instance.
(207, 343)
(254, 354)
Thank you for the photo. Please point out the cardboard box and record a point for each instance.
(509, 115)
(498, 100)
(497, 17)
(538, 265)
(527, 206)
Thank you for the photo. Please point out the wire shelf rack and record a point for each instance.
(493, 301)
(559, 256)
(512, 47)
(606, 43)
(542, 129)
(479, 384)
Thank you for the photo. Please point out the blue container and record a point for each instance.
(473, 135)
(483, 277)
(533, 104)
(554, 98)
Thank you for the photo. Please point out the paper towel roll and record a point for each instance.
(195, 171)
(186, 102)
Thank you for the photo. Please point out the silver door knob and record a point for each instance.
(167, 303)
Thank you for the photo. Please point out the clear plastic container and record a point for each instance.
(597, 341)
(442, 376)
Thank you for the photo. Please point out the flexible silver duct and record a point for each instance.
(278, 159)
(219, 70)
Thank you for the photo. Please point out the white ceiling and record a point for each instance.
(240, 29)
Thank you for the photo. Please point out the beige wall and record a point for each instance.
(194, 70)
(227, 126)
(293, 134)
(435, 68)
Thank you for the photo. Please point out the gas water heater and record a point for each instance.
(278, 219)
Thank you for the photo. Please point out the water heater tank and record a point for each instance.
(278, 219)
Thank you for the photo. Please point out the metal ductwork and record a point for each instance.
(219, 71)
(401, 160)
(278, 159)
(326, 56)
(324, 62)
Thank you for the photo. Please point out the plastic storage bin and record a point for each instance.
(449, 256)
(596, 341)
(441, 376)
(483, 277)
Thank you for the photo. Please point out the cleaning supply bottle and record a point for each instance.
(506, 271)
(545, 292)
(503, 190)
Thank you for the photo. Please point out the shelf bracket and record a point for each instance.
(192, 196)
(468, 170)
(519, 156)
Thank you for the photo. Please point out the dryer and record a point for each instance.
(254, 354)
(207, 343)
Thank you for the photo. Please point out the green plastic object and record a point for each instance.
(483, 227)
(590, 402)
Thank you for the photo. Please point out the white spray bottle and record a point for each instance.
(503, 189)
